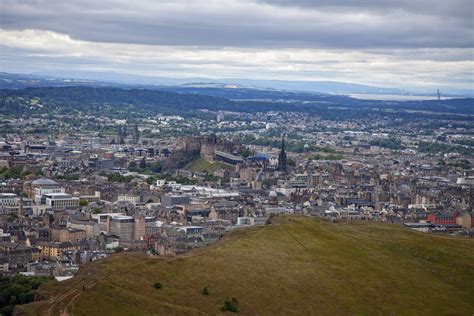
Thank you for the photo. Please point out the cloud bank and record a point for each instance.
(417, 43)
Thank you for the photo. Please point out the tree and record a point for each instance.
(157, 285)
(230, 305)
(3, 301)
(96, 211)
(18, 289)
(205, 291)
(39, 173)
(117, 177)
(246, 152)
(132, 166)
(156, 167)
(143, 163)
(151, 180)
(26, 298)
(84, 203)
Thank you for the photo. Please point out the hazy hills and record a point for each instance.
(294, 266)
(18, 81)
(62, 78)
(128, 103)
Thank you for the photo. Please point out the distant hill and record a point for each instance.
(310, 86)
(244, 93)
(112, 79)
(299, 266)
(20, 81)
(133, 102)
(100, 100)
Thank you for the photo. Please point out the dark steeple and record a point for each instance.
(135, 134)
(122, 134)
(282, 156)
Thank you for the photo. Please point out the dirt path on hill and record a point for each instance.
(62, 302)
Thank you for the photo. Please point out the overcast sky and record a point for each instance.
(406, 43)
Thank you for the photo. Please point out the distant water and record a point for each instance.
(395, 97)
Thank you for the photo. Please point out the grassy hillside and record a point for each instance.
(294, 266)
(200, 165)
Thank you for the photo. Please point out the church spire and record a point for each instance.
(282, 156)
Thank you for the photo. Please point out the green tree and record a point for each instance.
(230, 305)
(132, 166)
(151, 180)
(143, 163)
(246, 152)
(96, 211)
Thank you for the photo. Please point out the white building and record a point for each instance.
(44, 186)
(61, 201)
(129, 198)
(8, 200)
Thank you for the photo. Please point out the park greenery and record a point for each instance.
(17, 290)
(390, 143)
(443, 148)
(330, 156)
(144, 167)
(117, 177)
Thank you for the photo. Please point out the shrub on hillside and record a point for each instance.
(230, 305)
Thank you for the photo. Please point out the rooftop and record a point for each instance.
(44, 181)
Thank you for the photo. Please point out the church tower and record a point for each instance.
(122, 132)
(282, 156)
(135, 134)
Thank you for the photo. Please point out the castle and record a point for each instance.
(208, 147)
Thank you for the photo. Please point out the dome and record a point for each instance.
(273, 194)
(44, 181)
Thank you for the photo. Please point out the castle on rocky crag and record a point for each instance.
(209, 147)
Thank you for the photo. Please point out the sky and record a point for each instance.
(411, 44)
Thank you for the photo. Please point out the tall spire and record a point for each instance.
(135, 133)
(122, 134)
(282, 156)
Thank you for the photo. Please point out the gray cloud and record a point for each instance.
(266, 23)
(397, 43)
(452, 8)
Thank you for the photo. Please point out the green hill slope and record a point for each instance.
(200, 165)
(294, 266)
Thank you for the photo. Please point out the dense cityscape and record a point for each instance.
(168, 184)
(261, 157)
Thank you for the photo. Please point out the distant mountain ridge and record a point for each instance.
(9, 81)
(19, 81)
(141, 102)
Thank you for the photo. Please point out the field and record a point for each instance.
(295, 266)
